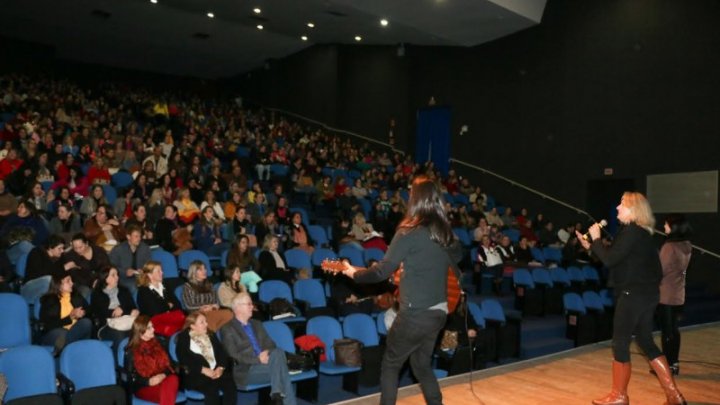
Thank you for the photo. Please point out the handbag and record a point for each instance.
(167, 323)
(122, 323)
(449, 340)
(300, 361)
(348, 352)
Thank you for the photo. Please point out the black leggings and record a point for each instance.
(668, 317)
(634, 316)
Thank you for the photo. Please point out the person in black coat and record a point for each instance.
(63, 314)
(204, 362)
(272, 263)
(635, 274)
(158, 302)
(111, 300)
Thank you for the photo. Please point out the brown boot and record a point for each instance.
(620, 380)
(664, 375)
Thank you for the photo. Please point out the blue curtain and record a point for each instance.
(433, 137)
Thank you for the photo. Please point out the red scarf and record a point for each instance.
(151, 359)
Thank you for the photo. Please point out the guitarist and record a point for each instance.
(426, 246)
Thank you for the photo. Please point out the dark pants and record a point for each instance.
(413, 335)
(61, 337)
(634, 316)
(668, 316)
(212, 389)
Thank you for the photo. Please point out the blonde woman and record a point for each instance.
(365, 234)
(158, 302)
(635, 273)
(199, 295)
(188, 211)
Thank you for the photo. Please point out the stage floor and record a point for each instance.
(577, 376)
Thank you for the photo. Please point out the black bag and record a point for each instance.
(300, 361)
(348, 352)
(280, 308)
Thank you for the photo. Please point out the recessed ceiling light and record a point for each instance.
(257, 10)
(358, 38)
(311, 25)
(153, 1)
(260, 26)
(384, 22)
(211, 15)
(304, 38)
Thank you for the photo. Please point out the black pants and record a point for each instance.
(212, 388)
(668, 317)
(412, 335)
(634, 316)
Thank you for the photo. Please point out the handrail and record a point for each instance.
(472, 166)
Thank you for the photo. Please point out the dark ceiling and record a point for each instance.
(178, 37)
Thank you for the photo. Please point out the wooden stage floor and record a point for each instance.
(577, 376)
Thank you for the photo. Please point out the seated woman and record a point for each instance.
(88, 259)
(241, 225)
(91, 203)
(204, 360)
(241, 255)
(342, 234)
(469, 335)
(282, 211)
(198, 295)
(111, 301)
(62, 314)
(232, 286)
(139, 219)
(267, 226)
(298, 236)
(148, 364)
(272, 263)
(157, 302)
(211, 201)
(206, 234)
(365, 234)
(170, 235)
(349, 297)
(103, 229)
(188, 211)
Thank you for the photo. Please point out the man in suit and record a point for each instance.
(257, 360)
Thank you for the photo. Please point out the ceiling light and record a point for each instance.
(358, 38)
(260, 26)
(311, 25)
(304, 38)
(257, 10)
(211, 15)
(384, 22)
(153, 1)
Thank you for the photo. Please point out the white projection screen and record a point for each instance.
(683, 192)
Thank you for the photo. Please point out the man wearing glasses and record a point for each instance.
(257, 359)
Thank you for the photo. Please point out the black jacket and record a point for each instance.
(150, 303)
(50, 310)
(192, 363)
(100, 303)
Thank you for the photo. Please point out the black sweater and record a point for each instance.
(150, 303)
(633, 260)
(423, 282)
(193, 362)
(50, 310)
(100, 304)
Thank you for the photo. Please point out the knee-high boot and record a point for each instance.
(664, 375)
(620, 380)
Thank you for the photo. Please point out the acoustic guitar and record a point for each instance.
(453, 284)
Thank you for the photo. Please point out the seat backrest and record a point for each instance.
(353, 254)
(122, 179)
(463, 236)
(15, 321)
(575, 274)
(592, 300)
(280, 334)
(492, 310)
(110, 194)
(522, 277)
(88, 364)
(573, 302)
(189, 256)
(513, 234)
(552, 253)
(361, 327)
(317, 233)
(311, 291)
(29, 370)
(172, 347)
(380, 324)
(606, 297)
(560, 276)
(328, 330)
(537, 254)
(298, 259)
(477, 313)
(179, 295)
(167, 261)
(373, 254)
(270, 289)
(320, 254)
(366, 206)
(542, 276)
(474, 255)
(590, 273)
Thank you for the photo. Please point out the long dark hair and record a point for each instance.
(103, 274)
(680, 228)
(426, 208)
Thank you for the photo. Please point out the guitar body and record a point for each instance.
(453, 285)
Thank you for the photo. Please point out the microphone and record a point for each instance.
(602, 224)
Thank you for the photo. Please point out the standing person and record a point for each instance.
(635, 274)
(674, 258)
(425, 246)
